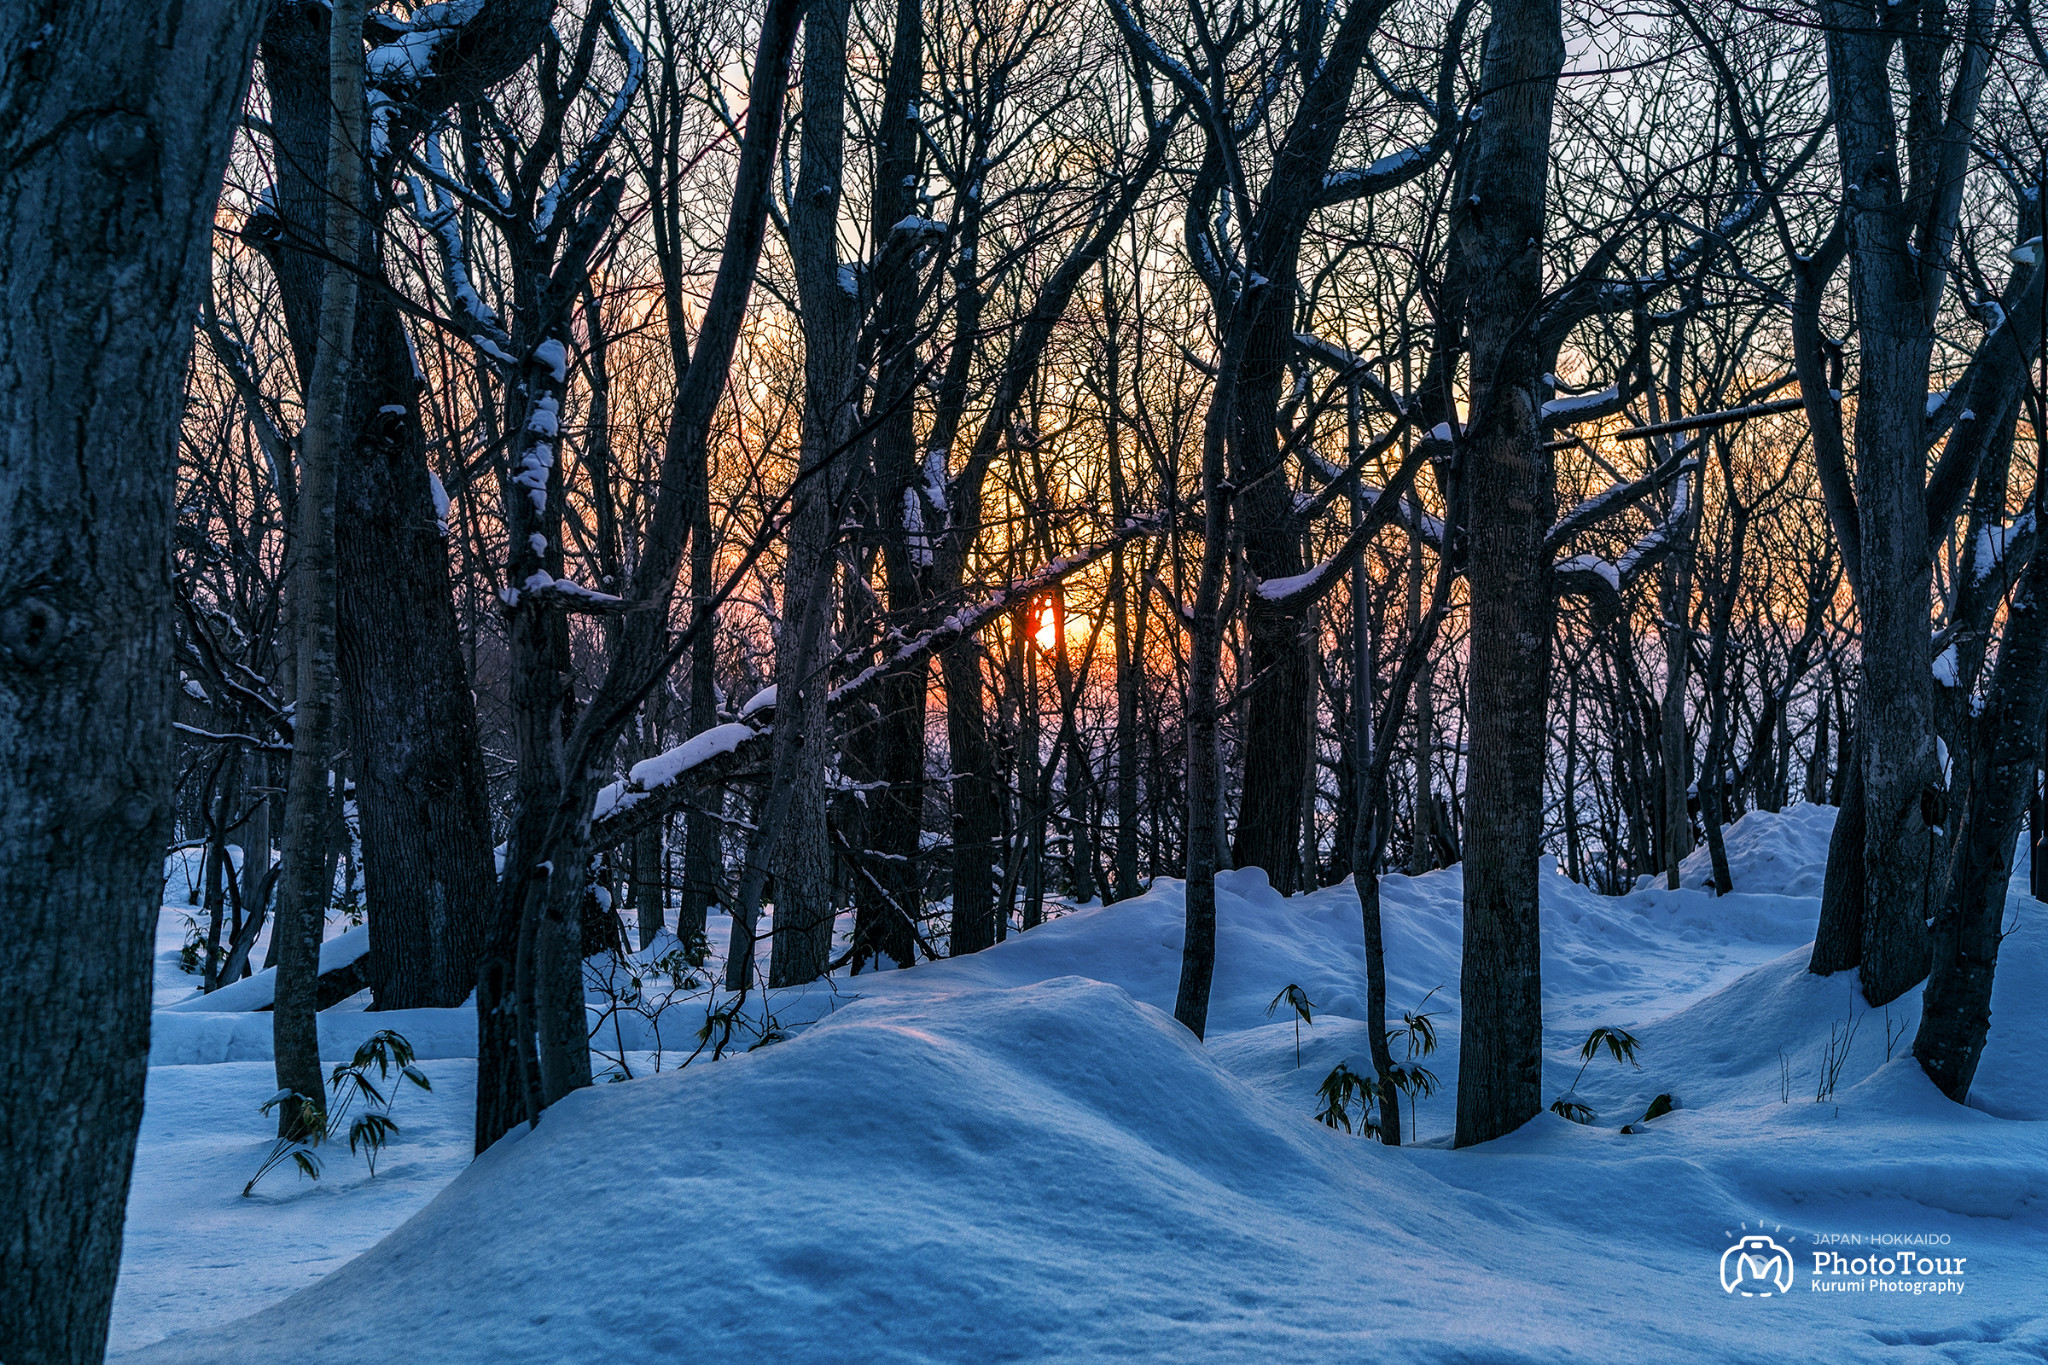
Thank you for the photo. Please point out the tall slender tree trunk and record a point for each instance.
(1817, 765)
(977, 808)
(890, 752)
(1498, 233)
(801, 861)
(307, 881)
(1205, 768)
(1674, 747)
(114, 126)
(1422, 830)
(1125, 645)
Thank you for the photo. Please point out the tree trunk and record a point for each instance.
(428, 872)
(1205, 775)
(891, 750)
(1817, 765)
(1838, 938)
(307, 881)
(1900, 213)
(648, 885)
(977, 811)
(1675, 751)
(1511, 495)
(801, 859)
(1956, 1012)
(115, 128)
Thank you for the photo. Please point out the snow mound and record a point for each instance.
(1018, 1155)
(1782, 853)
(253, 993)
(1057, 1171)
(890, 1166)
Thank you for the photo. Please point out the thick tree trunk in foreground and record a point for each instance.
(1512, 503)
(1902, 190)
(1956, 1011)
(307, 882)
(114, 127)
(428, 878)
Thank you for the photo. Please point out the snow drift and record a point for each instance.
(1019, 1156)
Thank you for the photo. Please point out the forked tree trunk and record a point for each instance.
(1497, 231)
(1902, 192)
(421, 790)
(114, 126)
(1955, 1015)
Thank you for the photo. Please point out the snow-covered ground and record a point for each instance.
(1019, 1156)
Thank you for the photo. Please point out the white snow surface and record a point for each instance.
(1019, 1155)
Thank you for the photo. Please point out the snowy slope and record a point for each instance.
(1018, 1156)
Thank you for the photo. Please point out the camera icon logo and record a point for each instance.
(1756, 1267)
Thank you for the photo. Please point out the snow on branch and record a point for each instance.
(1176, 72)
(658, 785)
(569, 180)
(1603, 580)
(1615, 498)
(671, 766)
(1582, 407)
(545, 590)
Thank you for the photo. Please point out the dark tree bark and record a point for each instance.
(889, 750)
(1498, 230)
(977, 803)
(307, 882)
(1956, 1011)
(1902, 194)
(552, 828)
(114, 126)
(801, 859)
(421, 790)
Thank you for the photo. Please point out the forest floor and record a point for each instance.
(1018, 1156)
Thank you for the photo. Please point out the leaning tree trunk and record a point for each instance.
(1956, 1010)
(114, 125)
(1512, 497)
